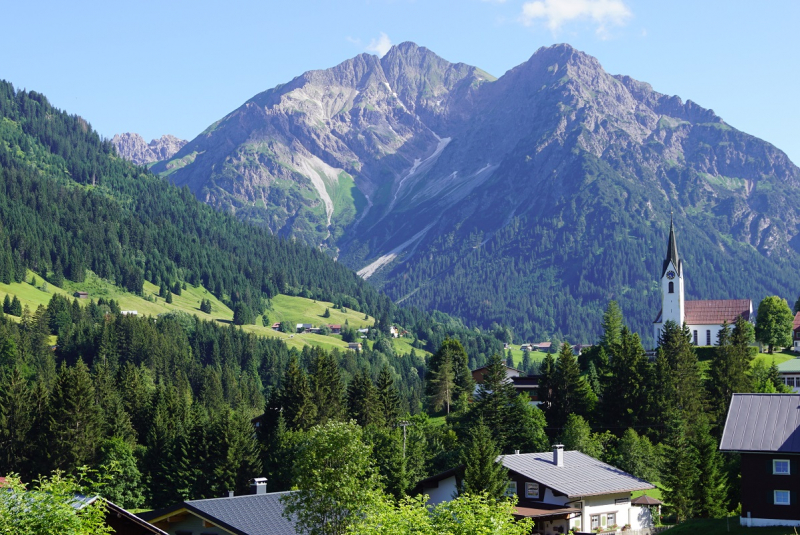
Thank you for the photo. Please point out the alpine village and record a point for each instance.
(402, 296)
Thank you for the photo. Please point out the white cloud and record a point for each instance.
(381, 45)
(557, 12)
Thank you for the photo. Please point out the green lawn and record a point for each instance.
(653, 493)
(517, 354)
(720, 526)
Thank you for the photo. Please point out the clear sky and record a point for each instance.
(174, 67)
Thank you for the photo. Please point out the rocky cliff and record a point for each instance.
(133, 147)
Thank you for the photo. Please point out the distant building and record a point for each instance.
(355, 346)
(765, 430)
(335, 329)
(81, 295)
(394, 332)
(789, 373)
(118, 519)
(303, 327)
(544, 347)
(276, 326)
(796, 333)
(560, 491)
(704, 318)
(129, 312)
(257, 513)
(523, 385)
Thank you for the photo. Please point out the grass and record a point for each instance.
(653, 493)
(719, 526)
(517, 354)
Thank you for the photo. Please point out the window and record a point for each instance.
(694, 337)
(782, 497)
(671, 287)
(780, 467)
(595, 522)
(708, 337)
(789, 381)
(531, 490)
(511, 490)
(612, 519)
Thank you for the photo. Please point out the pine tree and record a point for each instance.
(296, 397)
(570, 393)
(16, 307)
(482, 473)
(680, 474)
(526, 362)
(388, 396)
(363, 400)
(612, 326)
(577, 435)
(452, 355)
(327, 386)
(685, 387)
(547, 372)
(74, 419)
(327, 313)
(176, 288)
(729, 372)
(16, 421)
(168, 299)
(711, 489)
(510, 359)
(626, 403)
(7, 304)
(441, 384)
(117, 466)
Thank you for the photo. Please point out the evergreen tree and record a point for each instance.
(388, 397)
(234, 454)
(510, 359)
(577, 435)
(363, 400)
(441, 384)
(16, 421)
(774, 323)
(7, 303)
(636, 455)
(397, 474)
(626, 403)
(168, 299)
(526, 362)
(680, 474)
(117, 467)
(729, 372)
(15, 309)
(612, 326)
(296, 397)
(327, 313)
(176, 288)
(570, 393)
(547, 372)
(482, 474)
(450, 384)
(74, 419)
(796, 308)
(685, 387)
(327, 386)
(711, 489)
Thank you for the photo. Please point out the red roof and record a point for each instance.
(714, 312)
(335, 326)
(796, 324)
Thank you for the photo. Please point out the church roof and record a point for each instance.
(714, 312)
(672, 252)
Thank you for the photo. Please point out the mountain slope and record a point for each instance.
(133, 147)
(528, 201)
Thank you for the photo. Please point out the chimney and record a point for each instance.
(516, 452)
(230, 494)
(258, 486)
(558, 455)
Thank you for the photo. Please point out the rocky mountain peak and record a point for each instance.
(133, 147)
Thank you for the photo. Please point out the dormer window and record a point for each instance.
(671, 287)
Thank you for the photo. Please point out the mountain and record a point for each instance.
(133, 147)
(527, 201)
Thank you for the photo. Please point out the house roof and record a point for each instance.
(581, 474)
(544, 510)
(81, 501)
(763, 423)
(796, 322)
(254, 514)
(790, 366)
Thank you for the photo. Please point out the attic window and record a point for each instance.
(531, 490)
(780, 467)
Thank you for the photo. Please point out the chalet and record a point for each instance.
(335, 329)
(789, 373)
(118, 519)
(258, 513)
(300, 327)
(523, 385)
(276, 326)
(526, 347)
(765, 430)
(561, 491)
(796, 333)
(363, 331)
(81, 295)
(544, 347)
(394, 332)
(355, 346)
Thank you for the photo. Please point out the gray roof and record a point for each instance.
(790, 366)
(254, 514)
(581, 474)
(763, 422)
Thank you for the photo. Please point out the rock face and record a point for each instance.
(527, 201)
(132, 147)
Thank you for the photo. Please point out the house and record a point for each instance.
(81, 295)
(789, 373)
(394, 332)
(118, 519)
(704, 318)
(561, 491)
(303, 327)
(526, 347)
(523, 385)
(363, 331)
(258, 513)
(129, 312)
(335, 329)
(765, 430)
(544, 347)
(355, 346)
(276, 326)
(796, 333)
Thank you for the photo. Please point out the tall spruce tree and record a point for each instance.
(74, 419)
(570, 392)
(441, 384)
(296, 397)
(482, 473)
(327, 386)
(16, 422)
(685, 388)
(680, 474)
(729, 372)
(711, 489)
(365, 407)
(388, 396)
(452, 355)
(626, 404)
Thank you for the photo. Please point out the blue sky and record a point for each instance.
(176, 67)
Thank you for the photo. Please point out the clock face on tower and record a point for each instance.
(670, 275)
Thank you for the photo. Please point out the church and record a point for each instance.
(704, 318)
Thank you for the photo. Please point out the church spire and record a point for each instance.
(672, 251)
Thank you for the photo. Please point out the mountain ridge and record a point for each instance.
(133, 147)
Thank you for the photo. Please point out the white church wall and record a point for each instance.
(702, 334)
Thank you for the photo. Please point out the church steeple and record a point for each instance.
(672, 251)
